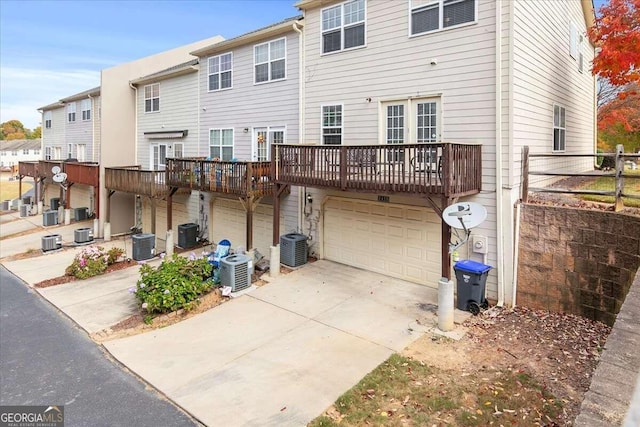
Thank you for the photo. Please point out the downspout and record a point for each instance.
(93, 128)
(499, 232)
(301, 122)
(135, 139)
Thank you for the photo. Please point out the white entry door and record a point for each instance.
(158, 157)
(263, 138)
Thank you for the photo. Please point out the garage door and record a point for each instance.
(396, 240)
(228, 219)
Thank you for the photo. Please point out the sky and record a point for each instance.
(54, 49)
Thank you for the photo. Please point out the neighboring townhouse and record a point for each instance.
(18, 150)
(82, 131)
(413, 105)
(248, 101)
(53, 130)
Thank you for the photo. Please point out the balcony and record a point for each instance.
(45, 168)
(85, 173)
(434, 169)
(132, 179)
(242, 179)
(28, 169)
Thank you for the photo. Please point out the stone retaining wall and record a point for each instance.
(576, 260)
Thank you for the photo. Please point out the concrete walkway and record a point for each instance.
(282, 354)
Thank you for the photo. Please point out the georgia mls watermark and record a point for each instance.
(32, 416)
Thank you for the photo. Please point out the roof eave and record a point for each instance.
(165, 75)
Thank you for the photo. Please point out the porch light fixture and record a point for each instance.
(245, 130)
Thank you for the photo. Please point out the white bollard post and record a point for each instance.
(445, 305)
(67, 216)
(107, 231)
(96, 227)
(60, 215)
(40, 207)
(169, 243)
(274, 261)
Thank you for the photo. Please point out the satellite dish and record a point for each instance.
(56, 170)
(60, 177)
(464, 215)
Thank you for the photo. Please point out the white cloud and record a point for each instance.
(24, 90)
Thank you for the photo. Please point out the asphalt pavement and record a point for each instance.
(46, 360)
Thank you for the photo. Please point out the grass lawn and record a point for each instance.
(9, 189)
(631, 186)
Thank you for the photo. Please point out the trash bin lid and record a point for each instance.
(472, 266)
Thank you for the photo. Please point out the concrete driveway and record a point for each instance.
(280, 355)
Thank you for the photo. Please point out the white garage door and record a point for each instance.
(395, 240)
(228, 219)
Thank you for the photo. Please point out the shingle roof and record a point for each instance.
(168, 71)
(20, 144)
(94, 91)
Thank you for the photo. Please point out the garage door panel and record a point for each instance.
(399, 241)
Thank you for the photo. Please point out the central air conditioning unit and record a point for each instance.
(293, 249)
(234, 272)
(26, 200)
(187, 234)
(5, 205)
(144, 246)
(49, 218)
(81, 214)
(25, 210)
(51, 242)
(54, 203)
(83, 235)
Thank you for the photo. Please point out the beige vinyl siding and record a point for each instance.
(545, 74)
(178, 111)
(80, 197)
(55, 136)
(185, 210)
(93, 150)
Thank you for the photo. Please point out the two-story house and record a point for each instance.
(18, 150)
(413, 105)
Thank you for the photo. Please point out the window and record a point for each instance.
(434, 15)
(81, 152)
(71, 112)
(47, 119)
(57, 153)
(85, 107)
(559, 128)
(152, 98)
(25, 151)
(69, 151)
(343, 26)
(269, 60)
(14, 152)
(427, 122)
(220, 68)
(332, 124)
(47, 153)
(178, 150)
(263, 138)
(36, 152)
(221, 144)
(573, 41)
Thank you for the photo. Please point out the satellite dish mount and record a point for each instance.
(59, 177)
(463, 216)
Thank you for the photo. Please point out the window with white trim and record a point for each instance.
(71, 112)
(220, 71)
(178, 150)
(270, 61)
(332, 124)
(221, 144)
(152, 98)
(25, 151)
(69, 151)
(14, 152)
(85, 107)
(427, 121)
(47, 119)
(47, 153)
(36, 152)
(263, 138)
(573, 40)
(434, 15)
(559, 128)
(343, 26)
(57, 153)
(81, 152)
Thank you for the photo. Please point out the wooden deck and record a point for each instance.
(132, 179)
(446, 169)
(241, 179)
(85, 173)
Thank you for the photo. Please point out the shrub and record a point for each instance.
(176, 283)
(93, 260)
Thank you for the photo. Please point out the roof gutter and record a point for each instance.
(498, 112)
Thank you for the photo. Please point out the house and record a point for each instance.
(248, 101)
(18, 150)
(410, 106)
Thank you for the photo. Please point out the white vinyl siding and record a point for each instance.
(343, 26)
(221, 144)
(85, 107)
(152, 98)
(434, 15)
(71, 112)
(220, 72)
(270, 61)
(332, 124)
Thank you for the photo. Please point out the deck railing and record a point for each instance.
(132, 179)
(237, 178)
(449, 169)
(86, 173)
(45, 168)
(28, 169)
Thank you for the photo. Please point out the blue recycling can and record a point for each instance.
(471, 280)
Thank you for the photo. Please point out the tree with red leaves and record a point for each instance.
(617, 34)
(619, 121)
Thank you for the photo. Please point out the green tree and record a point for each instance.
(37, 133)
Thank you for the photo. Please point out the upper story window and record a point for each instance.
(152, 98)
(220, 70)
(71, 112)
(14, 152)
(332, 124)
(559, 128)
(47, 119)
(434, 15)
(25, 151)
(270, 60)
(343, 26)
(85, 107)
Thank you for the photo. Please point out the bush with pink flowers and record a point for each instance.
(93, 260)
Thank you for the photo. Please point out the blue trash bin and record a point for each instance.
(471, 278)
